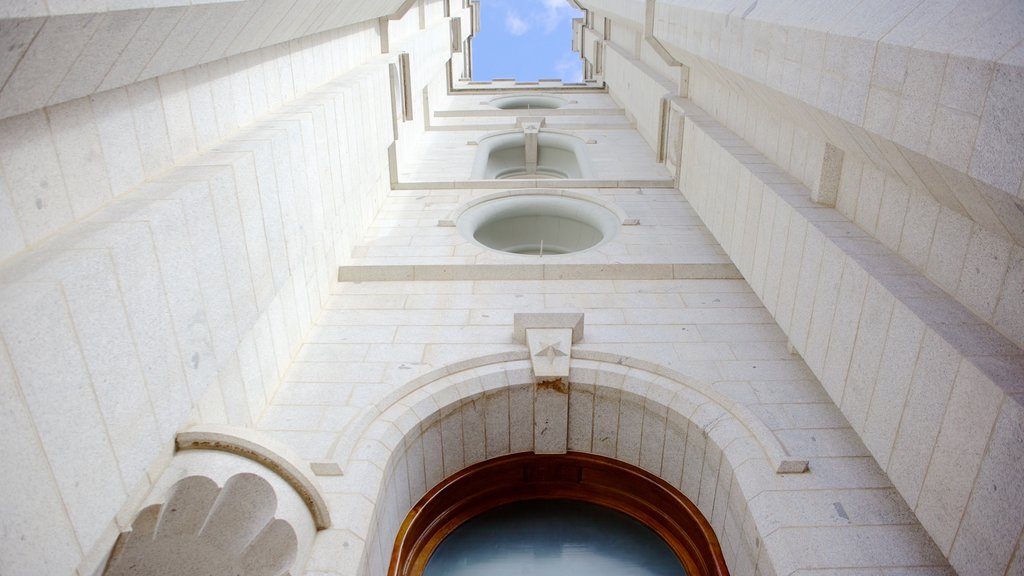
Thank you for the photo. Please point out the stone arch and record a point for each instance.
(664, 423)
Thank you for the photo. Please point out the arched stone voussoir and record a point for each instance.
(454, 421)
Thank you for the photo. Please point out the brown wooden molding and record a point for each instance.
(573, 476)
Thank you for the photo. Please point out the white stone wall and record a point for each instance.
(59, 51)
(932, 391)
(904, 299)
(167, 245)
(978, 267)
(949, 71)
(62, 163)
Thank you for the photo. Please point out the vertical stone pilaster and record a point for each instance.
(826, 189)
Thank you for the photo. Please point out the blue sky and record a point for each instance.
(526, 40)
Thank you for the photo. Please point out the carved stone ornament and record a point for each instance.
(206, 530)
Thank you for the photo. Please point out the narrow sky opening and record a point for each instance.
(527, 40)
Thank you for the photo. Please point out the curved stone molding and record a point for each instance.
(539, 224)
(265, 451)
(623, 218)
(346, 443)
(781, 461)
(204, 529)
(528, 102)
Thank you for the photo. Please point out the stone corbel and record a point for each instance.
(531, 134)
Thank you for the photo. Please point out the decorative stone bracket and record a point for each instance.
(550, 337)
(531, 130)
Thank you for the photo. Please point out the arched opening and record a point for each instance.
(677, 430)
(514, 156)
(595, 485)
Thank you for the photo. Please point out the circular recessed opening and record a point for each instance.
(538, 225)
(528, 102)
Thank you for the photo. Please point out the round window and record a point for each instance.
(536, 224)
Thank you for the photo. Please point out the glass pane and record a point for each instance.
(553, 538)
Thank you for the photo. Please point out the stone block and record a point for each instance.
(201, 108)
(843, 332)
(869, 199)
(1009, 315)
(150, 126)
(40, 536)
(895, 371)
(953, 137)
(205, 240)
(949, 248)
(33, 176)
(581, 416)
(474, 435)
(985, 267)
(918, 229)
(884, 547)
(39, 333)
(78, 147)
(135, 260)
(803, 306)
(926, 404)
(452, 451)
(987, 535)
(630, 429)
(998, 157)
(606, 421)
(890, 67)
(113, 32)
(551, 413)
(18, 34)
(961, 444)
(872, 328)
(880, 114)
(116, 126)
(108, 348)
(892, 213)
(965, 84)
(776, 256)
(44, 63)
(11, 239)
(521, 418)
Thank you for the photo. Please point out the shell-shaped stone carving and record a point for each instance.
(205, 530)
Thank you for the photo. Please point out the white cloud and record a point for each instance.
(553, 13)
(514, 24)
(570, 67)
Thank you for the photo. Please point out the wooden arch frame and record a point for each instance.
(573, 476)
